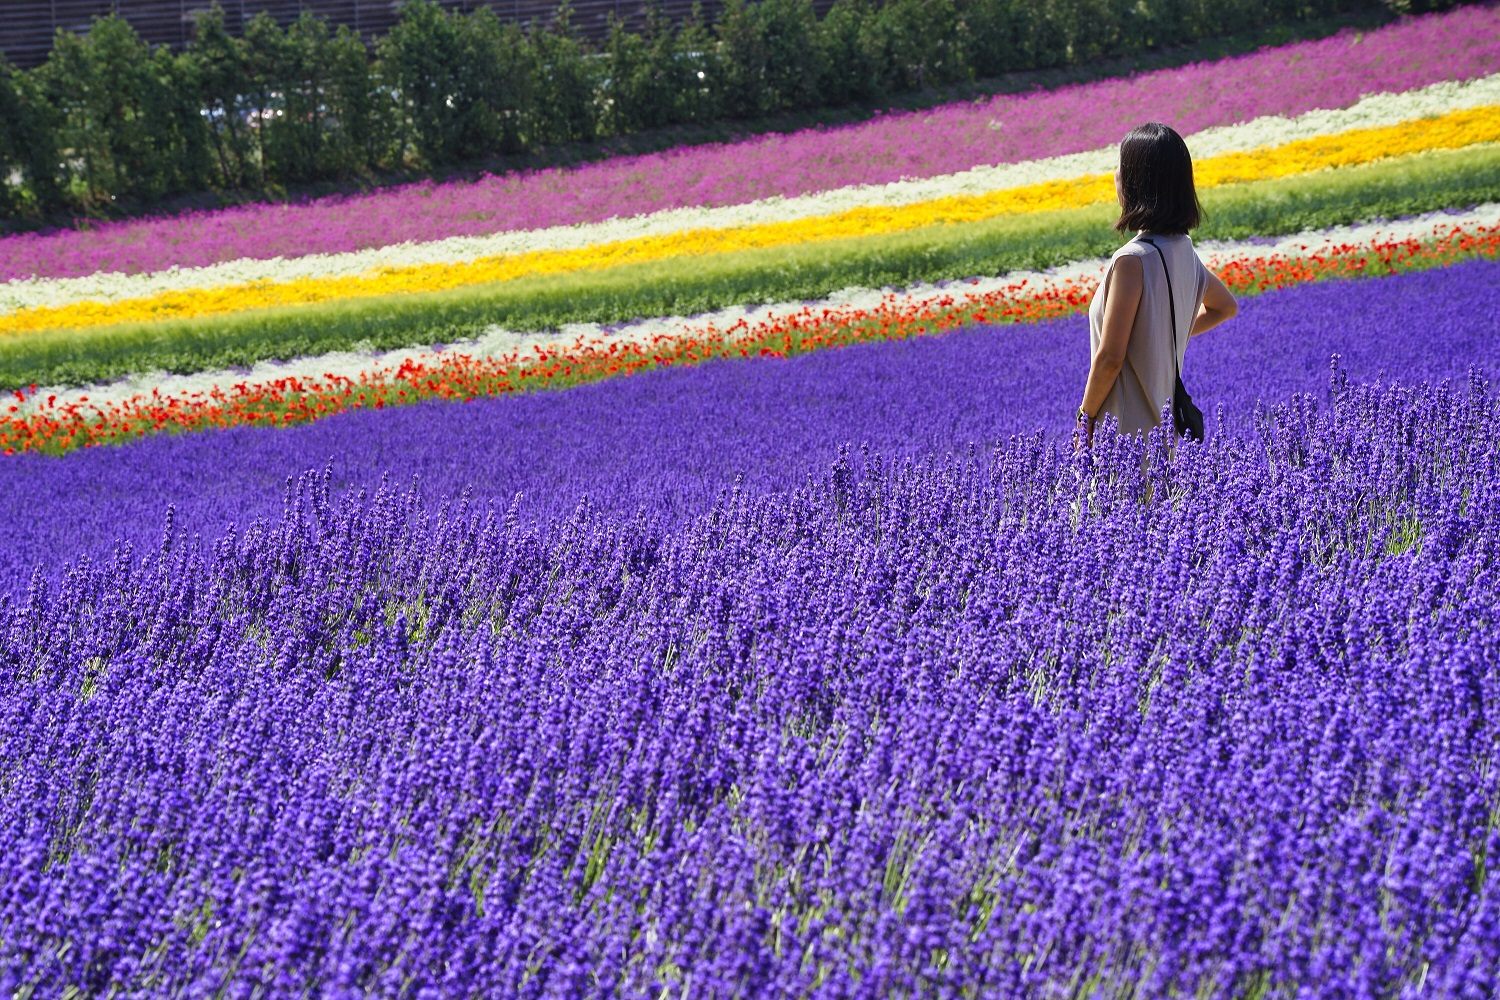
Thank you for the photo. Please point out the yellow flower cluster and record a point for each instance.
(1346, 149)
(1449, 131)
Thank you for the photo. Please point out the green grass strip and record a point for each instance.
(1385, 189)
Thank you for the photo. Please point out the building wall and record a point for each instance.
(27, 26)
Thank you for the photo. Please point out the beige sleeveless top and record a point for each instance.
(1147, 378)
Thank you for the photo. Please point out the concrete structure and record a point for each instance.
(27, 26)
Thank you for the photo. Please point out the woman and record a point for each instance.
(1136, 352)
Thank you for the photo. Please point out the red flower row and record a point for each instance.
(59, 427)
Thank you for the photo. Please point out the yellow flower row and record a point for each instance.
(1450, 131)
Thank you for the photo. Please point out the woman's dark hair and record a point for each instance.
(1156, 180)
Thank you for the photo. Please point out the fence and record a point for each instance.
(27, 26)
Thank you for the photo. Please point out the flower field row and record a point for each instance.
(860, 725)
(1287, 81)
(44, 300)
(1453, 130)
(52, 423)
(1387, 187)
(497, 341)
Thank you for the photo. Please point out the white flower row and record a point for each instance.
(498, 342)
(1371, 111)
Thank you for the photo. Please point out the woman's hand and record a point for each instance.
(1083, 431)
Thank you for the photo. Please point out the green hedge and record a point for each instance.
(108, 123)
(1384, 189)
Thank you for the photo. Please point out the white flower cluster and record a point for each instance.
(1372, 111)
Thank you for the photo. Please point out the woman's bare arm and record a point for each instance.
(1122, 296)
(1218, 305)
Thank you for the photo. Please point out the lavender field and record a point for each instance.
(670, 442)
(841, 675)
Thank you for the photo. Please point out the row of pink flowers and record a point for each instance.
(1327, 73)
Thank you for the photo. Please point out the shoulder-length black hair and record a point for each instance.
(1156, 180)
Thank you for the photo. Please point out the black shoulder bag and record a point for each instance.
(1187, 419)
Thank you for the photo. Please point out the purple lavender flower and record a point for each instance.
(917, 717)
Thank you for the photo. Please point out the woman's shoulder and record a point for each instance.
(1145, 246)
(1134, 247)
(1129, 250)
(1175, 246)
(1144, 241)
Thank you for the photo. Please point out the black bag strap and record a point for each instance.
(1171, 304)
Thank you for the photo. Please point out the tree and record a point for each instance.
(923, 43)
(789, 28)
(29, 125)
(175, 122)
(361, 113)
(567, 84)
(851, 54)
(223, 78)
(423, 58)
(10, 141)
(117, 119)
(741, 83)
(497, 87)
(295, 73)
(698, 58)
